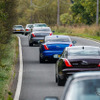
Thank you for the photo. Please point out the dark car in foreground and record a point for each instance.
(53, 47)
(38, 34)
(77, 59)
(18, 29)
(81, 86)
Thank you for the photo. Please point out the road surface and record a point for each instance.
(39, 79)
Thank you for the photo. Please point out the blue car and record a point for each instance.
(53, 47)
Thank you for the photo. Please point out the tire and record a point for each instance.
(30, 44)
(60, 82)
(41, 60)
(56, 79)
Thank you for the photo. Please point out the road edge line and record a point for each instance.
(20, 75)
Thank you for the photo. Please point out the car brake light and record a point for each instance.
(27, 29)
(70, 45)
(50, 34)
(46, 48)
(67, 63)
(99, 65)
(33, 35)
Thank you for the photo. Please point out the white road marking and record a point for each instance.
(19, 84)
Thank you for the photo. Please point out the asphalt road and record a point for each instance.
(39, 79)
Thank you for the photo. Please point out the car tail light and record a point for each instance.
(99, 65)
(33, 35)
(70, 45)
(27, 29)
(67, 63)
(46, 48)
(50, 34)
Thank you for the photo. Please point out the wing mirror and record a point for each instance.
(74, 42)
(53, 31)
(51, 98)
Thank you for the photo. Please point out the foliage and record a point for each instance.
(40, 11)
(82, 12)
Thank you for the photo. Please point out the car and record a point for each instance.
(53, 47)
(28, 28)
(40, 25)
(81, 86)
(76, 59)
(18, 29)
(38, 34)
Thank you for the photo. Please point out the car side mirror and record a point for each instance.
(74, 42)
(51, 98)
(53, 31)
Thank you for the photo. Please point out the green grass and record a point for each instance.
(7, 67)
(81, 31)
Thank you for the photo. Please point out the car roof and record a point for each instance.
(82, 47)
(18, 25)
(39, 23)
(86, 74)
(41, 28)
(54, 36)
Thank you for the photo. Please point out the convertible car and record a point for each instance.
(53, 47)
(77, 59)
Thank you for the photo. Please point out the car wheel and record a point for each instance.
(42, 60)
(56, 79)
(60, 82)
(30, 44)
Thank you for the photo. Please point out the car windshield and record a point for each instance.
(51, 39)
(18, 27)
(84, 52)
(84, 89)
(41, 30)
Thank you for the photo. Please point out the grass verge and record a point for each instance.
(7, 69)
(81, 31)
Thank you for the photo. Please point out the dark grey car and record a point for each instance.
(38, 34)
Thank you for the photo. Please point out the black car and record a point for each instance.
(77, 59)
(38, 34)
(81, 86)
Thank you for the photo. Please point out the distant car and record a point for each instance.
(53, 47)
(28, 28)
(40, 25)
(18, 29)
(77, 59)
(81, 86)
(38, 34)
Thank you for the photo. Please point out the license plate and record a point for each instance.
(56, 56)
(41, 40)
(17, 30)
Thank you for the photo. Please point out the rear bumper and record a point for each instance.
(18, 31)
(50, 54)
(37, 40)
(73, 70)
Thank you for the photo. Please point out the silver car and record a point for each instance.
(28, 28)
(18, 29)
(38, 34)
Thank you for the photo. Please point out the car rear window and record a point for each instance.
(84, 52)
(18, 26)
(40, 25)
(57, 39)
(41, 30)
(29, 26)
(84, 89)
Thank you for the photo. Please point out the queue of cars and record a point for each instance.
(70, 59)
